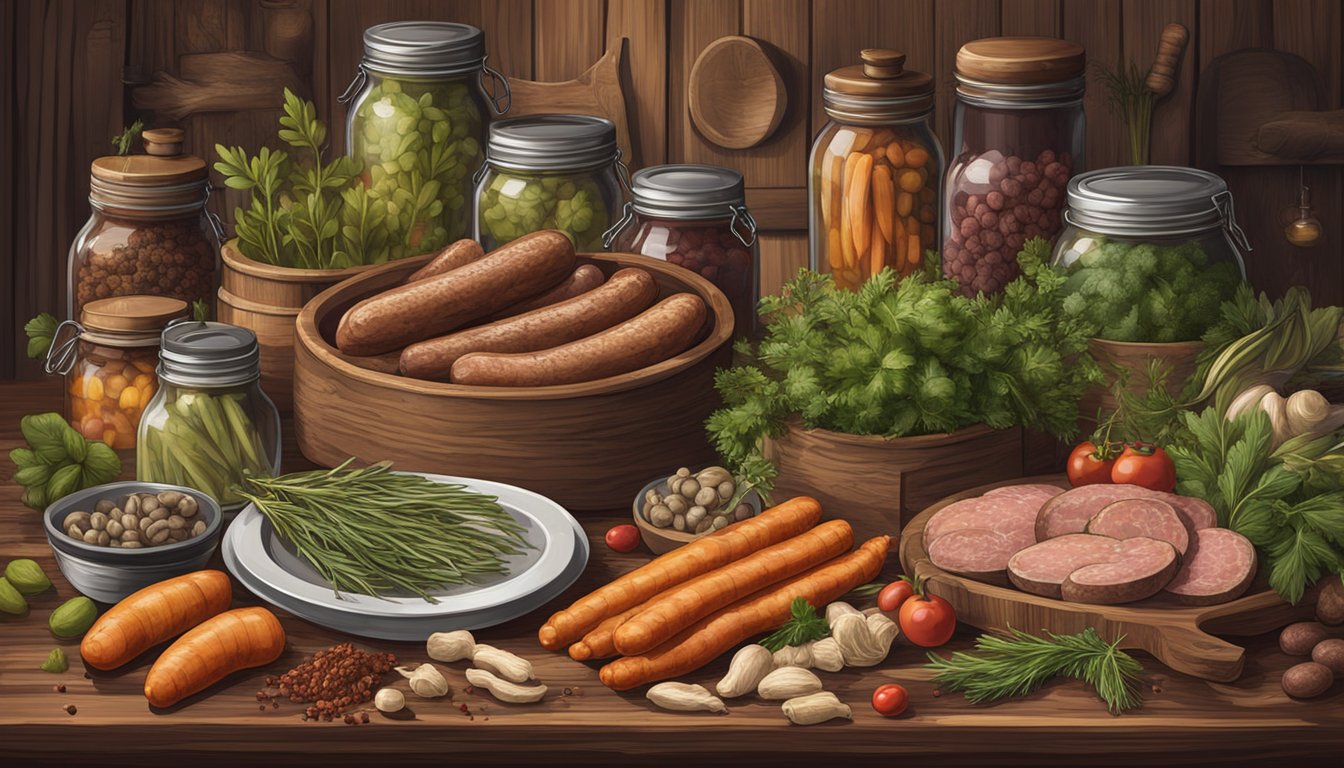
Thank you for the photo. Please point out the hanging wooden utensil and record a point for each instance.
(736, 96)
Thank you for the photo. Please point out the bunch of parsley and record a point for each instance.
(908, 356)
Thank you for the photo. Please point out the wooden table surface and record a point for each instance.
(1184, 720)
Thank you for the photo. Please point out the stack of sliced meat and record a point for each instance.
(1095, 544)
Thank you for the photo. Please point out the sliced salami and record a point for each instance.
(1070, 511)
(1219, 566)
(1084, 567)
(1197, 514)
(1038, 493)
(1004, 514)
(1150, 518)
(974, 552)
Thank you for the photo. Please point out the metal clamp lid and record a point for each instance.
(1223, 202)
(739, 217)
(61, 357)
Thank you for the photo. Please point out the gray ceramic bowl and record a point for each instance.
(661, 540)
(108, 574)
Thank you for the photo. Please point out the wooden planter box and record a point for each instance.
(1132, 358)
(880, 484)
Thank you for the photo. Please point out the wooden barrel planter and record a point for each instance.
(266, 300)
(1132, 359)
(879, 484)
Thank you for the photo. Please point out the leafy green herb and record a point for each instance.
(41, 330)
(804, 627)
(56, 661)
(867, 591)
(200, 310)
(1019, 663)
(58, 460)
(122, 143)
(906, 356)
(1128, 96)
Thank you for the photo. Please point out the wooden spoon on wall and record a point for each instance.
(736, 95)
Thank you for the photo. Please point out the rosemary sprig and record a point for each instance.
(1128, 95)
(1019, 663)
(804, 627)
(373, 531)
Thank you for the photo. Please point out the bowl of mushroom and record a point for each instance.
(672, 511)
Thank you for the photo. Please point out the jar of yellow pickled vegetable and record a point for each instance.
(875, 172)
(109, 363)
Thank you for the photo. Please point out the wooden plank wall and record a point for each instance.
(68, 60)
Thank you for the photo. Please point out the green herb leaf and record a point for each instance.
(804, 627)
(63, 482)
(45, 433)
(200, 310)
(122, 143)
(101, 464)
(24, 457)
(41, 330)
(56, 662)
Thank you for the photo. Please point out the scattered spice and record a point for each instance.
(331, 681)
(364, 717)
(1157, 689)
(568, 691)
(58, 688)
(70, 709)
(937, 693)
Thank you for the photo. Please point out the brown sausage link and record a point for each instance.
(436, 305)
(666, 329)
(628, 292)
(458, 254)
(584, 279)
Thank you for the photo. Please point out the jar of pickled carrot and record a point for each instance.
(109, 363)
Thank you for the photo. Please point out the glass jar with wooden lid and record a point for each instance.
(875, 171)
(1017, 140)
(149, 232)
(110, 363)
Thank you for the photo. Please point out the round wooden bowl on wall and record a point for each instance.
(589, 446)
(878, 484)
(266, 300)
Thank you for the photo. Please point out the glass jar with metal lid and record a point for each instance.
(875, 171)
(149, 231)
(210, 424)
(109, 363)
(416, 122)
(1018, 138)
(695, 216)
(1151, 251)
(550, 172)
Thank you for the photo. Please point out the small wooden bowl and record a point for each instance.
(736, 95)
(662, 540)
(579, 444)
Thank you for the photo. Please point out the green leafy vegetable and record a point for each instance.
(200, 310)
(59, 460)
(41, 330)
(123, 141)
(906, 357)
(1019, 663)
(804, 627)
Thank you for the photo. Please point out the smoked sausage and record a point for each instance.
(628, 292)
(656, 334)
(458, 254)
(584, 279)
(436, 305)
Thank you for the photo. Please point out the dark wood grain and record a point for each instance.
(1143, 22)
(566, 55)
(643, 74)
(1096, 27)
(1184, 721)
(956, 22)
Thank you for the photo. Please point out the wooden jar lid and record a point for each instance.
(1020, 60)
(163, 166)
(882, 74)
(139, 313)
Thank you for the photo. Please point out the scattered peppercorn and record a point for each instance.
(70, 709)
(58, 688)
(937, 693)
(331, 681)
(568, 691)
(1157, 689)
(364, 717)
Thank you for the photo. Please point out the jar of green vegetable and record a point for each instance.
(550, 172)
(209, 425)
(416, 121)
(1151, 252)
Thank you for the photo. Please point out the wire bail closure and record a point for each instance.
(1223, 202)
(505, 94)
(61, 357)
(627, 216)
(742, 215)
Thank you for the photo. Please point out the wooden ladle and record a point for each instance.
(736, 95)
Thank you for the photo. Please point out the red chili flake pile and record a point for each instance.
(331, 681)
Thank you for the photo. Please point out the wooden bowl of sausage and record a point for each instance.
(588, 445)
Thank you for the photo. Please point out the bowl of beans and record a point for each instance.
(113, 539)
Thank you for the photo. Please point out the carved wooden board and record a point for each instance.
(1180, 636)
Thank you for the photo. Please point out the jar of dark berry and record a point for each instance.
(695, 216)
(1017, 139)
(149, 232)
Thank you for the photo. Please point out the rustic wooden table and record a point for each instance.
(1184, 720)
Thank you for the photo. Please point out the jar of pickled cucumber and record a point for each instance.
(418, 110)
(109, 364)
(550, 172)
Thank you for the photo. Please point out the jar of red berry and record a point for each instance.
(695, 216)
(1018, 138)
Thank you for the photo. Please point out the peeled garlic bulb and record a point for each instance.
(426, 681)
(1305, 409)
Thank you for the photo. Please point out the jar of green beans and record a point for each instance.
(550, 172)
(416, 121)
(209, 426)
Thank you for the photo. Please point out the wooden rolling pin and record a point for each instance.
(1161, 78)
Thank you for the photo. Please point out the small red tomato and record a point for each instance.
(927, 620)
(1145, 465)
(894, 595)
(1087, 467)
(623, 538)
(890, 700)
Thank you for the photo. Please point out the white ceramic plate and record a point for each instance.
(552, 532)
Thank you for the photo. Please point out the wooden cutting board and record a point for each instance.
(1180, 636)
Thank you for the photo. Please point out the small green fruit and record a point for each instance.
(10, 599)
(73, 618)
(27, 577)
(56, 662)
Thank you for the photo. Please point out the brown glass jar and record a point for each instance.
(149, 232)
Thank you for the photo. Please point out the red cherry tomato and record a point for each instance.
(623, 538)
(1087, 467)
(927, 620)
(894, 595)
(1145, 465)
(890, 700)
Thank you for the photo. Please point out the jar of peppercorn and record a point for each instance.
(110, 364)
(695, 216)
(149, 232)
(876, 169)
(1017, 139)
